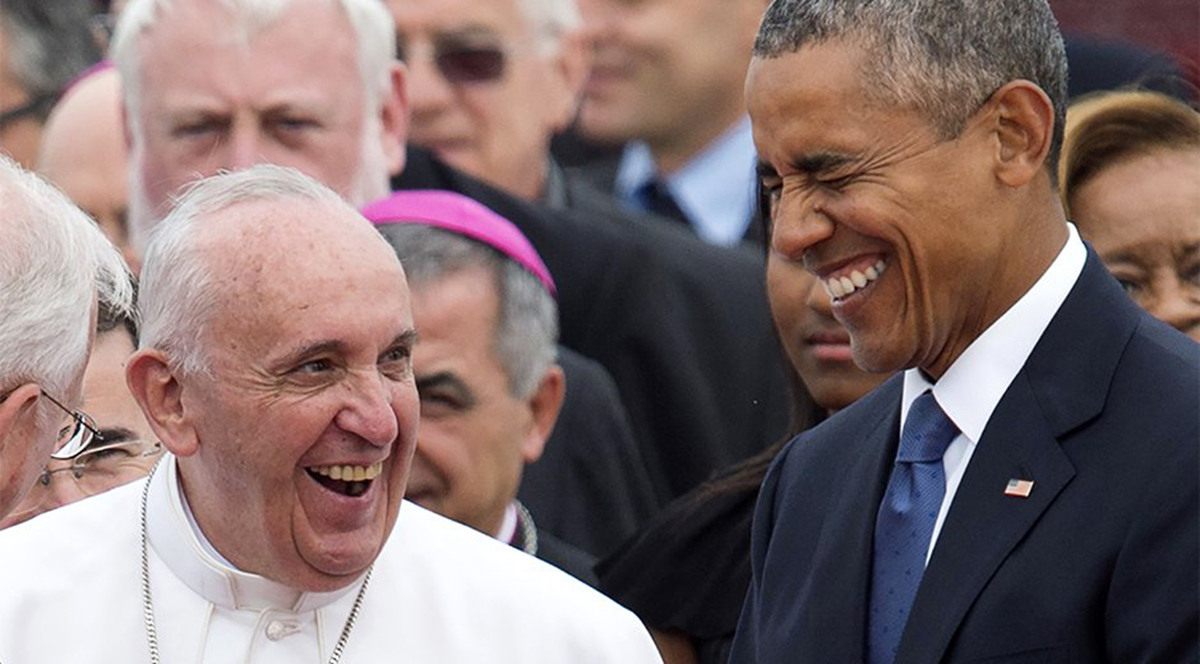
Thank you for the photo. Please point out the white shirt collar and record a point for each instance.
(184, 549)
(715, 189)
(508, 525)
(972, 387)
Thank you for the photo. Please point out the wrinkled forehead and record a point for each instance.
(266, 249)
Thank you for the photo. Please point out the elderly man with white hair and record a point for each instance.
(315, 84)
(275, 364)
(54, 266)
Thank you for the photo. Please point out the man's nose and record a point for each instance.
(369, 413)
(428, 90)
(798, 223)
(245, 146)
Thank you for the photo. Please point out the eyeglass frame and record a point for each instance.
(47, 474)
(82, 435)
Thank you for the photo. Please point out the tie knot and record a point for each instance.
(927, 431)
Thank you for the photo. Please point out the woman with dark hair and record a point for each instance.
(687, 571)
(1130, 176)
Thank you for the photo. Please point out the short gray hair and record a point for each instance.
(526, 334)
(48, 44)
(943, 58)
(178, 291)
(54, 266)
(373, 28)
(551, 18)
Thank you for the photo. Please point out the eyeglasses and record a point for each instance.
(38, 105)
(92, 471)
(76, 435)
(460, 62)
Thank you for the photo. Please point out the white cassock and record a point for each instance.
(440, 593)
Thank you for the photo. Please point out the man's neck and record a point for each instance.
(673, 151)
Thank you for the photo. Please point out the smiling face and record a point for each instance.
(498, 130)
(895, 222)
(476, 437)
(304, 432)
(1142, 214)
(291, 94)
(666, 71)
(817, 346)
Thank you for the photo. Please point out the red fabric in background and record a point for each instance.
(1168, 25)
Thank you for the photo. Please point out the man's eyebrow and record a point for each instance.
(113, 435)
(322, 347)
(406, 339)
(821, 162)
(449, 381)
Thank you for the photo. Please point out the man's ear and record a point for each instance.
(19, 407)
(1023, 118)
(160, 395)
(572, 64)
(544, 404)
(394, 119)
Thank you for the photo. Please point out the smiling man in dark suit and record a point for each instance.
(1027, 489)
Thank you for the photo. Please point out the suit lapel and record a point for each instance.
(841, 566)
(1063, 384)
(984, 524)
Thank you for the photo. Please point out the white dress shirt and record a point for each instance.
(972, 387)
(715, 189)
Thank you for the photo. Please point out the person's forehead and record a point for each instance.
(196, 36)
(441, 16)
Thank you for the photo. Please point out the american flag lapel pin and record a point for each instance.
(1018, 488)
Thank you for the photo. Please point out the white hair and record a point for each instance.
(550, 19)
(373, 30)
(178, 292)
(54, 265)
(375, 37)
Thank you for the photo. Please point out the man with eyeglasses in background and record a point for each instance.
(122, 448)
(55, 265)
(489, 83)
(43, 45)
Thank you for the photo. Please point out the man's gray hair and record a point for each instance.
(374, 32)
(178, 290)
(47, 44)
(551, 18)
(943, 58)
(526, 333)
(54, 265)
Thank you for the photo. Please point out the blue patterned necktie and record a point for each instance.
(905, 523)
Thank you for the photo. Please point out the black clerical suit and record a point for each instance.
(1098, 564)
(682, 327)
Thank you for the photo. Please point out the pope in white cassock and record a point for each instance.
(275, 367)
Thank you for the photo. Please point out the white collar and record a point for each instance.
(715, 188)
(182, 548)
(508, 525)
(972, 387)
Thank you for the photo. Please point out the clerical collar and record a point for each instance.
(182, 547)
(508, 525)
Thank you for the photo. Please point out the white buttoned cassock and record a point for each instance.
(440, 593)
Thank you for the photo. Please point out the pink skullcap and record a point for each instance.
(102, 66)
(464, 216)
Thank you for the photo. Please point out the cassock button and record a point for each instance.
(277, 629)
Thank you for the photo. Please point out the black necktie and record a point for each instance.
(655, 198)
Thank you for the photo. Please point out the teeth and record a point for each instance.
(350, 473)
(842, 286)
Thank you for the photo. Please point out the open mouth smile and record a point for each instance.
(841, 286)
(352, 481)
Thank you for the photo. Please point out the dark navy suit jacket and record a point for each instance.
(1099, 564)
